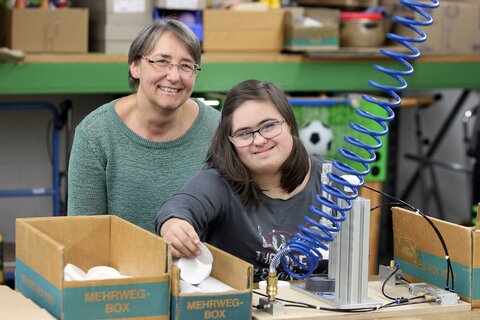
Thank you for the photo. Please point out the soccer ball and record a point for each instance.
(317, 138)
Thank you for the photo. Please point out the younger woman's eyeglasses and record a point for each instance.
(269, 130)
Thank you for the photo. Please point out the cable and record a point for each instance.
(385, 282)
(404, 280)
(397, 303)
(389, 204)
(437, 232)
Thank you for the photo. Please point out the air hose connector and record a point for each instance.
(272, 286)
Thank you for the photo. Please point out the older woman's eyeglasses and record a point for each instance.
(184, 69)
(269, 130)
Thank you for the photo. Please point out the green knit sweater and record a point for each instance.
(112, 170)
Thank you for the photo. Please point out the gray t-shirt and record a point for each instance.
(254, 234)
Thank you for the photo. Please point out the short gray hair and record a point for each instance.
(149, 35)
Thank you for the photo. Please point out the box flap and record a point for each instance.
(33, 245)
(175, 280)
(86, 238)
(418, 251)
(412, 232)
(231, 270)
(131, 244)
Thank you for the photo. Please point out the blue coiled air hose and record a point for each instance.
(315, 235)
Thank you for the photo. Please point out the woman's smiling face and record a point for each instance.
(263, 155)
(167, 87)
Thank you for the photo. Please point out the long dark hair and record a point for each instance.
(224, 158)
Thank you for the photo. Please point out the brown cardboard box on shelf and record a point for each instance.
(300, 36)
(45, 30)
(230, 305)
(455, 28)
(44, 246)
(420, 255)
(243, 31)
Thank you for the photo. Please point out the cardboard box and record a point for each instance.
(420, 255)
(243, 31)
(229, 305)
(36, 30)
(45, 245)
(455, 28)
(304, 37)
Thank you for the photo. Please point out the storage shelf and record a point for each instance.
(99, 73)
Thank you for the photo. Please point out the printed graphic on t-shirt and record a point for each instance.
(272, 242)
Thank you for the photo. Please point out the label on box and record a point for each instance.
(222, 306)
(133, 300)
(117, 301)
(123, 6)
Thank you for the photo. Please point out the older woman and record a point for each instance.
(133, 152)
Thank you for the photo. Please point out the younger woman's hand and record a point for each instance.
(182, 236)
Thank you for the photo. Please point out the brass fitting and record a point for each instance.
(272, 286)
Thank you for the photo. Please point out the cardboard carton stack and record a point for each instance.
(243, 31)
(114, 24)
(311, 29)
(45, 30)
